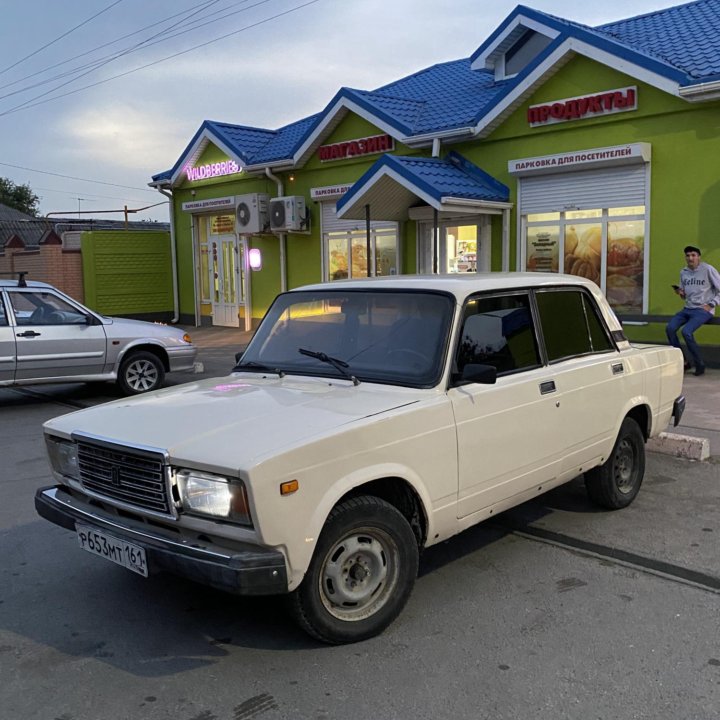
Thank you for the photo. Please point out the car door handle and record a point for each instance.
(547, 387)
(618, 369)
(29, 333)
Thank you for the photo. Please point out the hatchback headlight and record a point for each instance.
(213, 495)
(63, 457)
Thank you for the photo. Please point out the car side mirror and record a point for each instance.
(238, 356)
(477, 373)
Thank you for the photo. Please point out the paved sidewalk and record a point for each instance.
(701, 419)
(702, 412)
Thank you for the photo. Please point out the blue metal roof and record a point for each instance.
(453, 176)
(685, 36)
(678, 43)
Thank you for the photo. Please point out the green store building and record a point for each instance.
(554, 147)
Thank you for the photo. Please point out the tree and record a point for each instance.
(20, 197)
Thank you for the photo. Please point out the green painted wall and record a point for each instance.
(128, 272)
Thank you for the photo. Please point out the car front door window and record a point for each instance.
(44, 308)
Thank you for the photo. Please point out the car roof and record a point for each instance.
(460, 284)
(8, 283)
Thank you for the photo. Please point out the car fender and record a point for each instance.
(139, 344)
(300, 553)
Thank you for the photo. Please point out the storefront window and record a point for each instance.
(625, 265)
(583, 238)
(347, 253)
(338, 257)
(544, 217)
(386, 254)
(543, 248)
(204, 258)
(359, 255)
(582, 214)
(204, 274)
(462, 247)
(583, 250)
(632, 210)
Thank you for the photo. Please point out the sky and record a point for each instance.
(87, 140)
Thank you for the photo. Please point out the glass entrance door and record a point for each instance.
(462, 247)
(226, 279)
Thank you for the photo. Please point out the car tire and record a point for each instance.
(616, 483)
(361, 574)
(140, 372)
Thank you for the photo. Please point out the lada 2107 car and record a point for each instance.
(47, 337)
(367, 420)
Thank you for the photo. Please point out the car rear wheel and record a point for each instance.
(141, 372)
(361, 574)
(616, 482)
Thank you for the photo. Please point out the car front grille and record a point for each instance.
(126, 475)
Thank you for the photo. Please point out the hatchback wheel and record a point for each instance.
(141, 372)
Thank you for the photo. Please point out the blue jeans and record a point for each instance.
(689, 319)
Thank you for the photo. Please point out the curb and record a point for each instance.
(683, 446)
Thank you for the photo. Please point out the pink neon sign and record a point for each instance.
(203, 172)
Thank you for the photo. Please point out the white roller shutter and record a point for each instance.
(331, 222)
(584, 189)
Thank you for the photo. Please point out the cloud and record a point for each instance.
(124, 134)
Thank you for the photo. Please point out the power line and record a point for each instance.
(143, 45)
(100, 63)
(30, 104)
(72, 177)
(89, 52)
(97, 47)
(89, 195)
(60, 37)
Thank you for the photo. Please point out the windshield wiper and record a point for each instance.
(259, 367)
(340, 365)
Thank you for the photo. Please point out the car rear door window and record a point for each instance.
(570, 324)
(499, 331)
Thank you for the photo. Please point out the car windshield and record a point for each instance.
(395, 337)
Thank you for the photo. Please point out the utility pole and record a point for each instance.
(79, 199)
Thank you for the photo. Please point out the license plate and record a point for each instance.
(123, 553)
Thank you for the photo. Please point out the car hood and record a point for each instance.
(125, 327)
(237, 421)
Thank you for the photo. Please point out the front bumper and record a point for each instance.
(182, 358)
(244, 570)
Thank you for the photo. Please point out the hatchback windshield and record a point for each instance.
(373, 336)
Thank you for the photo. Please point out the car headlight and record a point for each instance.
(213, 495)
(186, 338)
(63, 457)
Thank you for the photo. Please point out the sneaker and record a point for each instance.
(699, 370)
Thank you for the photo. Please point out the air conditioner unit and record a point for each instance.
(289, 214)
(251, 213)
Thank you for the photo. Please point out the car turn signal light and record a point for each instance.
(288, 488)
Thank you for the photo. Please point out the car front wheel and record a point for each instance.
(140, 372)
(361, 575)
(616, 482)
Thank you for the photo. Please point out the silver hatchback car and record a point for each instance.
(47, 337)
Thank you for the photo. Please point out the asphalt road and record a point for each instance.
(557, 611)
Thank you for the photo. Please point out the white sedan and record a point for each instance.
(367, 420)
